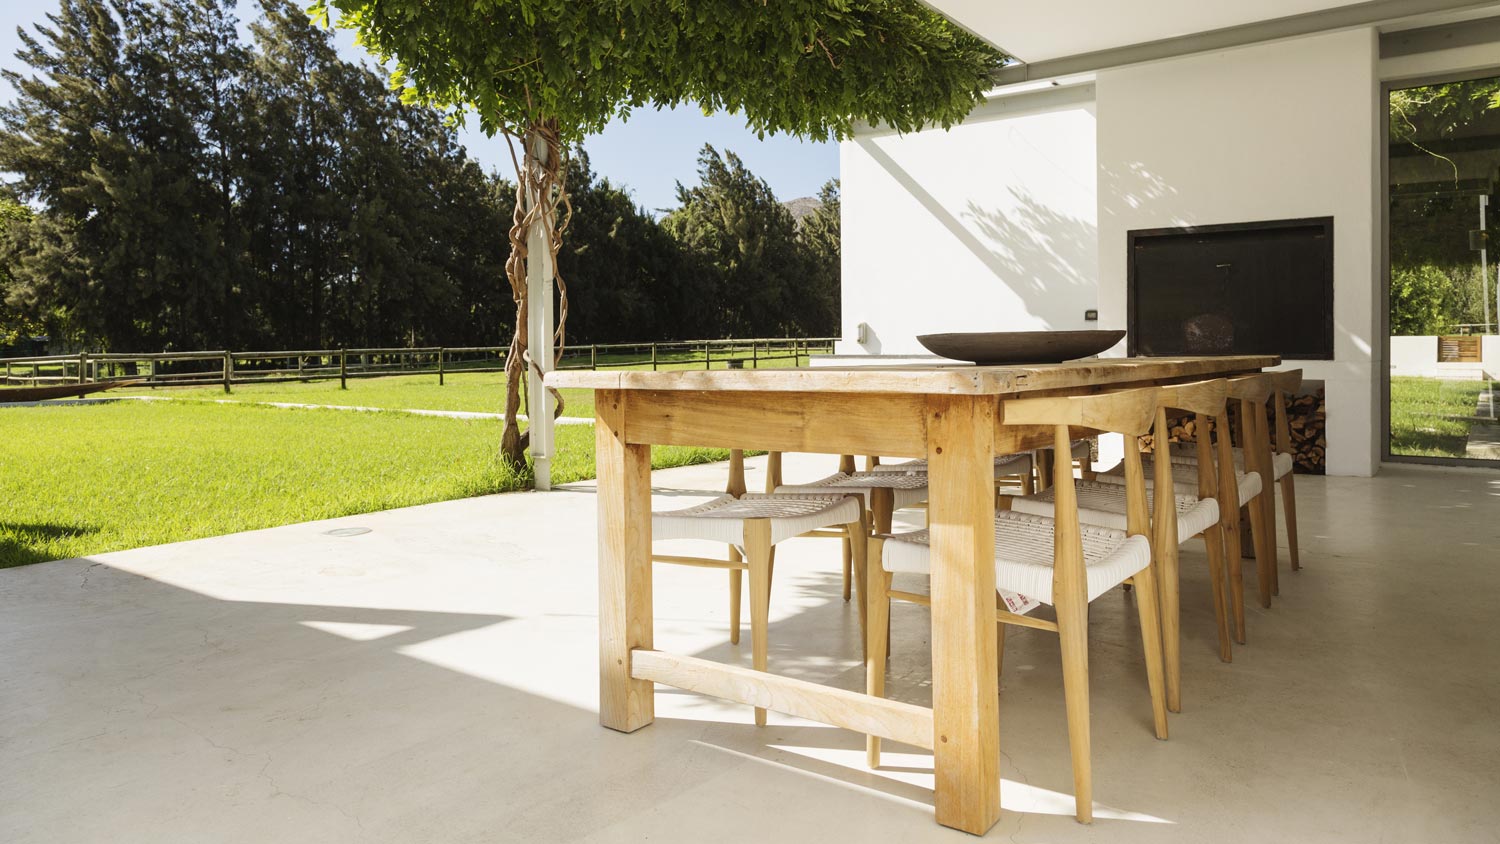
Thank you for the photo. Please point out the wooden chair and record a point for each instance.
(1283, 457)
(1241, 488)
(1009, 468)
(1195, 514)
(752, 525)
(1058, 561)
(1081, 453)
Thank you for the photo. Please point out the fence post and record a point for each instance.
(755, 355)
(228, 370)
(708, 356)
(83, 367)
(343, 370)
(594, 356)
(441, 354)
(653, 357)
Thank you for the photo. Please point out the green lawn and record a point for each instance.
(1430, 416)
(88, 479)
(472, 391)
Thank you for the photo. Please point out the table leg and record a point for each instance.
(966, 719)
(625, 704)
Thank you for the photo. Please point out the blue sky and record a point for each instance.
(648, 154)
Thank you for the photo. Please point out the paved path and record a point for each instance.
(415, 411)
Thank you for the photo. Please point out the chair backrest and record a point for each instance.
(1129, 412)
(1255, 387)
(1284, 384)
(1205, 399)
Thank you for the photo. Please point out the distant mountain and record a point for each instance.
(802, 206)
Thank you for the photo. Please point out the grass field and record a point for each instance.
(94, 478)
(1430, 416)
(482, 392)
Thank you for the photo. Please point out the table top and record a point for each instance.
(951, 379)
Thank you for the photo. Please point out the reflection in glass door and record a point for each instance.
(1444, 172)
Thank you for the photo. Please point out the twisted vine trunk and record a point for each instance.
(540, 195)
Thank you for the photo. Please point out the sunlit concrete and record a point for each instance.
(434, 680)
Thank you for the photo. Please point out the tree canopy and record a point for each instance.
(173, 184)
(813, 68)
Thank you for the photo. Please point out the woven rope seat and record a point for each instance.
(1185, 478)
(1005, 464)
(1023, 557)
(906, 489)
(1104, 504)
(1281, 462)
(722, 519)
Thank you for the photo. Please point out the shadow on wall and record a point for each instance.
(1048, 259)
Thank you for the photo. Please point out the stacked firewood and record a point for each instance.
(1307, 421)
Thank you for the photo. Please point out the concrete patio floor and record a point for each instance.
(434, 680)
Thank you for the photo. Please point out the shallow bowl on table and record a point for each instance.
(992, 348)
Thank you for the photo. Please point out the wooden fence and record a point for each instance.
(229, 367)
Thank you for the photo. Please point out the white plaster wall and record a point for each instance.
(1417, 355)
(1273, 131)
(989, 226)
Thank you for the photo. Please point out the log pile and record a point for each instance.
(1307, 420)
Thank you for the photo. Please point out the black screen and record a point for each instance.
(1246, 288)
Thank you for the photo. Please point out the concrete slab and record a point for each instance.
(434, 680)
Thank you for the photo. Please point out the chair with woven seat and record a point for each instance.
(1195, 514)
(1249, 492)
(1008, 468)
(752, 525)
(1283, 457)
(1040, 560)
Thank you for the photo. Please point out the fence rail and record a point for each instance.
(228, 368)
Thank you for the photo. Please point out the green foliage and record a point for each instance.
(197, 191)
(1418, 299)
(809, 67)
(1433, 112)
(819, 233)
(1441, 145)
(17, 303)
(768, 282)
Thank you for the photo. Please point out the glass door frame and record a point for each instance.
(1384, 281)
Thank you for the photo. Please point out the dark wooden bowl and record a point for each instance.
(992, 348)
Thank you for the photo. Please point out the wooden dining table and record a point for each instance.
(949, 414)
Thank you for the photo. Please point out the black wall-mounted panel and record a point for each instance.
(1243, 288)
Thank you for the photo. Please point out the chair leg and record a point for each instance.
(734, 602)
(877, 634)
(999, 642)
(882, 508)
(858, 541)
(1145, 604)
(1234, 553)
(1263, 559)
(1213, 544)
(848, 561)
(758, 554)
(1168, 586)
(1289, 508)
(1073, 636)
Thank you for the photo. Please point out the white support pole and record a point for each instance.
(1484, 270)
(539, 328)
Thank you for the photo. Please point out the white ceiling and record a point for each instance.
(1037, 31)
